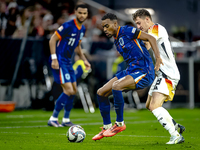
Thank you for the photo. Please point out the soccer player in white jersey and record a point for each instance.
(167, 77)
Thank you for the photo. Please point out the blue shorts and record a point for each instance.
(64, 74)
(142, 79)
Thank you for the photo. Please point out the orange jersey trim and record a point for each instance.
(60, 76)
(60, 38)
(140, 78)
(139, 35)
(117, 32)
(79, 28)
(138, 45)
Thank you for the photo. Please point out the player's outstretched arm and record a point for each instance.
(52, 46)
(147, 37)
(79, 51)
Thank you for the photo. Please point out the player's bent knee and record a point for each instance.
(70, 92)
(100, 92)
(153, 106)
(116, 86)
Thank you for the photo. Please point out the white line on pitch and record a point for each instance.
(48, 115)
(147, 136)
(87, 134)
(93, 123)
(81, 119)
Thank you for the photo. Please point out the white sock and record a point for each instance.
(65, 120)
(53, 118)
(120, 124)
(165, 120)
(107, 126)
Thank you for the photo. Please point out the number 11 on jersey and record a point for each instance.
(71, 41)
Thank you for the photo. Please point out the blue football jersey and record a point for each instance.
(133, 49)
(69, 34)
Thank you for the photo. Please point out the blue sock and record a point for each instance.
(104, 106)
(60, 103)
(119, 105)
(68, 106)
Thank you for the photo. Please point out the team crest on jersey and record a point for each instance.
(134, 29)
(67, 76)
(81, 35)
(121, 41)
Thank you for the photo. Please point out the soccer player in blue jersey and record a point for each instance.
(138, 75)
(63, 43)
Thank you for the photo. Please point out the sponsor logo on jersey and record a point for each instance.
(73, 34)
(137, 72)
(60, 28)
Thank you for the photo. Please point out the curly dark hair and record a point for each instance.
(109, 16)
(81, 6)
(141, 13)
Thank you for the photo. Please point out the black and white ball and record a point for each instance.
(76, 134)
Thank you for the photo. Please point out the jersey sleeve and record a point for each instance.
(154, 31)
(62, 30)
(132, 32)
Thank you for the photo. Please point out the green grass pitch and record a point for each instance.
(28, 130)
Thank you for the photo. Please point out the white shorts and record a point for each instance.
(164, 86)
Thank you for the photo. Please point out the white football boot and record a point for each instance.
(176, 139)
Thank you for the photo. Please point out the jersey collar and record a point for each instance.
(117, 33)
(79, 28)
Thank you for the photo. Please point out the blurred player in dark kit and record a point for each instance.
(69, 36)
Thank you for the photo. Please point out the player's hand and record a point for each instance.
(87, 65)
(158, 62)
(54, 64)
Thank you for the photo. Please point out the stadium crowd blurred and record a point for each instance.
(48, 15)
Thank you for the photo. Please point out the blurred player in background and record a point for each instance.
(138, 75)
(167, 77)
(69, 35)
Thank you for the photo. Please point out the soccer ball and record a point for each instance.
(76, 134)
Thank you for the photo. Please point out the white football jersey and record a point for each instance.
(169, 68)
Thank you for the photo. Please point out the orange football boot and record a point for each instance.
(114, 130)
(100, 135)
